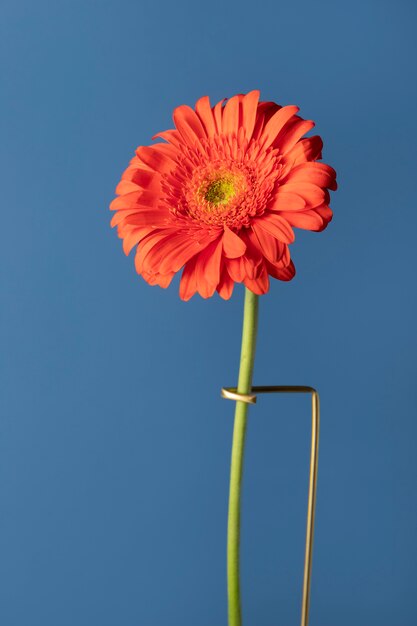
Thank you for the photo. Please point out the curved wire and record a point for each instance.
(230, 393)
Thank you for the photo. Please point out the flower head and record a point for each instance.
(220, 194)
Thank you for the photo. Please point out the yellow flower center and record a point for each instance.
(220, 191)
(216, 193)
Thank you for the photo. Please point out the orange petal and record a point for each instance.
(276, 226)
(269, 245)
(135, 199)
(213, 261)
(207, 269)
(249, 109)
(188, 123)
(287, 201)
(286, 257)
(253, 259)
(145, 246)
(236, 269)
(147, 179)
(175, 259)
(119, 216)
(156, 218)
(318, 174)
(260, 284)
(188, 283)
(309, 220)
(153, 157)
(233, 245)
(140, 218)
(281, 273)
(128, 200)
(268, 109)
(325, 213)
(171, 253)
(259, 125)
(276, 123)
(126, 186)
(171, 136)
(231, 115)
(131, 239)
(204, 112)
(130, 171)
(313, 195)
(290, 138)
(163, 280)
(308, 149)
(225, 286)
(166, 148)
(218, 113)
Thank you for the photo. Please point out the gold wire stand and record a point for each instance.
(230, 393)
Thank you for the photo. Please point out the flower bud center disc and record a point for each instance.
(220, 191)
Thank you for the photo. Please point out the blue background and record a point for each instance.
(114, 442)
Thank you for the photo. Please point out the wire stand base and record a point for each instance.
(230, 393)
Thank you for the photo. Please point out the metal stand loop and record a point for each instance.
(230, 393)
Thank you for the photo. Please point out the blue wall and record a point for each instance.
(114, 442)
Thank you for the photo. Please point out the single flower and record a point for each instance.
(220, 195)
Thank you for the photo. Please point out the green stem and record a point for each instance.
(247, 357)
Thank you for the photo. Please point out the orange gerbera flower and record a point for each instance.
(221, 194)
